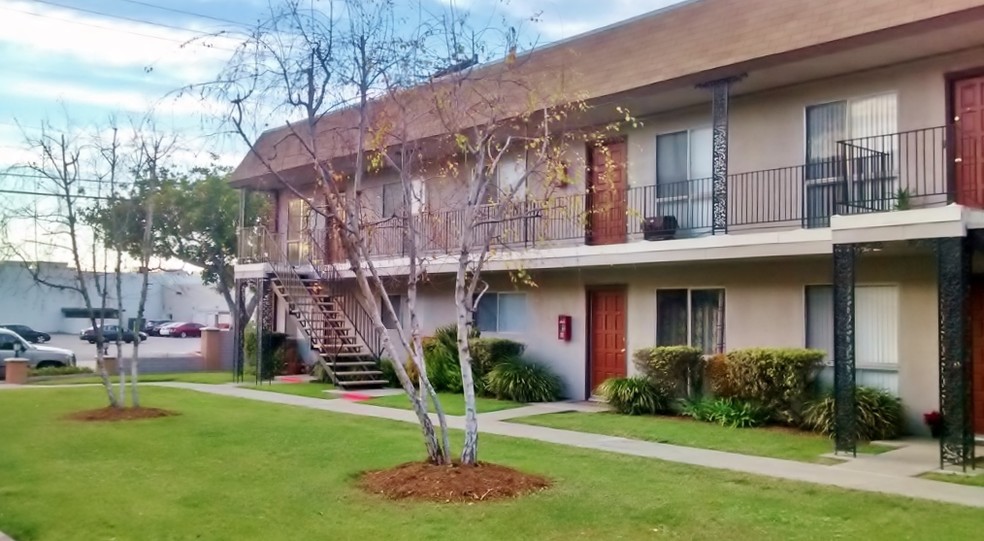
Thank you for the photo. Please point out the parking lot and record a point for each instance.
(154, 346)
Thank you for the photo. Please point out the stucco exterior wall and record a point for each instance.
(764, 307)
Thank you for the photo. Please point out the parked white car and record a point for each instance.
(13, 345)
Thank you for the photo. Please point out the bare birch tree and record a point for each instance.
(306, 65)
(68, 176)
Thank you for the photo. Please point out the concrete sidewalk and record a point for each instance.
(881, 479)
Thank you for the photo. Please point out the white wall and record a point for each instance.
(170, 295)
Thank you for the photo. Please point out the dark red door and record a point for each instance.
(977, 353)
(968, 108)
(608, 191)
(606, 310)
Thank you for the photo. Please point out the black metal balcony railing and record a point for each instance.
(869, 174)
(897, 171)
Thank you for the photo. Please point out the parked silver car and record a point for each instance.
(13, 345)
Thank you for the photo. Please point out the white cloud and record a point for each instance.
(132, 101)
(559, 19)
(109, 43)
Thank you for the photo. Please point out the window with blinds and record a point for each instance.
(828, 123)
(876, 332)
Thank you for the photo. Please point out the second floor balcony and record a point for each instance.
(886, 173)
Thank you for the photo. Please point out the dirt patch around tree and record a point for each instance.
(450, 484)
(120, 414)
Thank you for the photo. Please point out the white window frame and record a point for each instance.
(498, 295)
(690, 290)
(690, 135)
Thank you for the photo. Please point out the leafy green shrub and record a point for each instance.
(274, 355)
(250, 346)
(441, 359)
(488, 352)
(777, 378)
(389, 373)
(58, 371)
(633, 396)
(716, 375)
(879, 415)
(523, 381)
(676, 371)
(728, 412)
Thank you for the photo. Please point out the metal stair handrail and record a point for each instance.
(351, 306)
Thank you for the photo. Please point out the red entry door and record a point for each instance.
(608, 191)
(606, 309)
(977, 353)
(968, 107)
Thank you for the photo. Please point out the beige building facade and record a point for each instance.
(811, 190)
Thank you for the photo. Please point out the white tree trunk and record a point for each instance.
(469, 453)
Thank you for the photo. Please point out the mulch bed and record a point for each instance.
(119, 414)
(446, 484)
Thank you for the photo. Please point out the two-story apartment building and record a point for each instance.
(812, 172)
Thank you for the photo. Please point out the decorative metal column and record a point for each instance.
(239, 319)
(261, 322)
(845, 407)
(720, 102)
(953, 260)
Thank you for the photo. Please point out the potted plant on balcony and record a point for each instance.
(934, 420)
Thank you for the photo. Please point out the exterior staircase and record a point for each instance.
(340, 330)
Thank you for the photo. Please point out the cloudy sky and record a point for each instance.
(87, 59)
(75, 63)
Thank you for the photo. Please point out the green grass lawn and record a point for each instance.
(186, 377)
(776, 443)
(233, 469)
(974, 478)
(453, 403)
(310, 389)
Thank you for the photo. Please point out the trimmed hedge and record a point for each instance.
(675, 371)
(58, 371)
(779, 379)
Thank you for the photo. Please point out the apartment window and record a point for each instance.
(876, 333)
(690, 317)
(510, 176)
(392, 200)
(828, 123)
(298, 225)
(682, 156)
(389, 321)
(502, 312)
(418, 196)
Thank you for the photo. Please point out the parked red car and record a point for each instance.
(182, 330)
